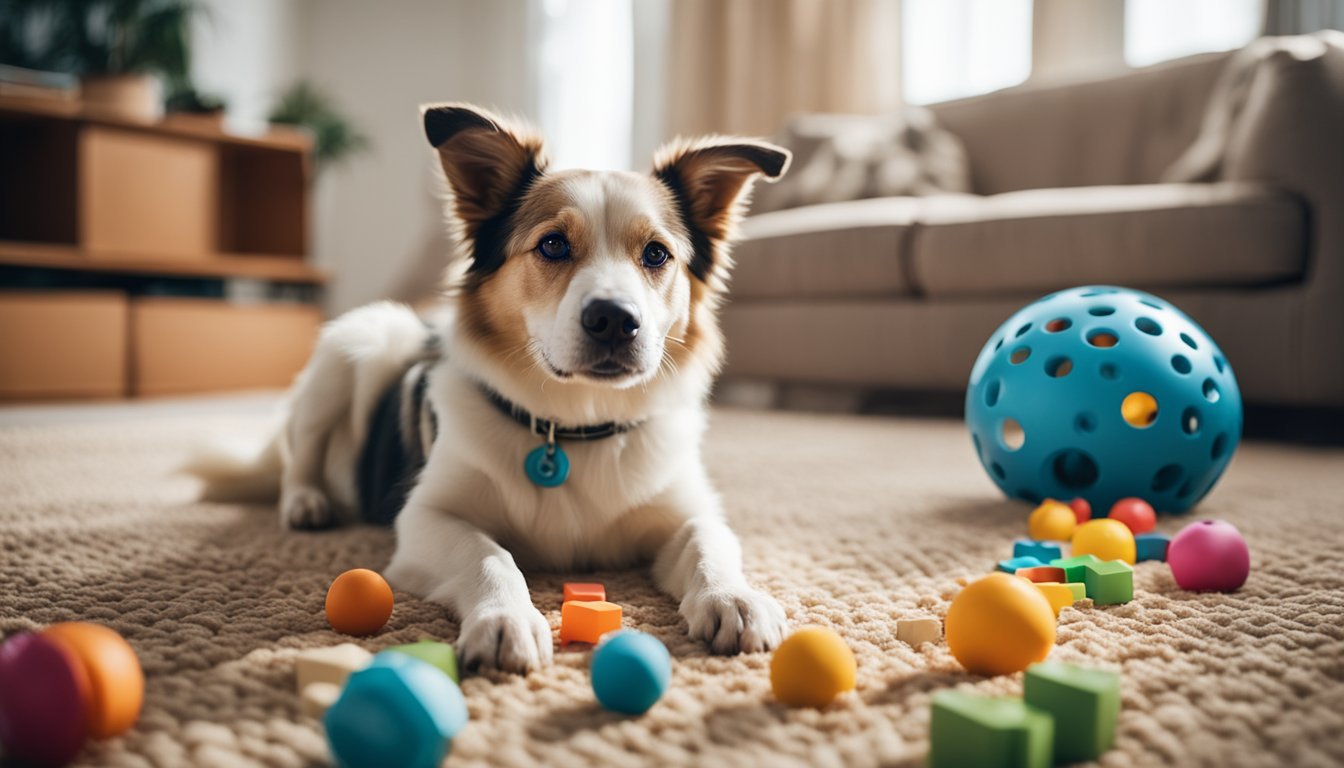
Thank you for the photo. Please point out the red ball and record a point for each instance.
(1081, 509)
(1135, 513)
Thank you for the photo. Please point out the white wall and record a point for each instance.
(247, 51)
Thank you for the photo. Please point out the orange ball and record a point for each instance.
(359, 602)
(999, 625)
(1052, 521)
(116, 682)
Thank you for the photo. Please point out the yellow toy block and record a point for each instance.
(586, 621)
(1060, 596)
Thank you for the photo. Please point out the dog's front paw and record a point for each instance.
(305, 508)
(735, 619)
(509, 639)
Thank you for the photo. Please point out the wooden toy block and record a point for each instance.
(1045, 551)
(970, 730)
(585, 592)
(318, 698)
(1084, 704)
(1011, 566)
(1073, 566)
(585, 621)
(1042, 573)
(441, 655)
(1152, 546)
(1110, 582)
(916, 631)
(1059, 595)
(329, 665)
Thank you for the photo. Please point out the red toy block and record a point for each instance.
(1041, 573)
(586, 592)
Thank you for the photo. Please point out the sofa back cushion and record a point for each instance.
(1121, 130)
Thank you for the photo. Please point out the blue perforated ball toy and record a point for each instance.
(1103, 393)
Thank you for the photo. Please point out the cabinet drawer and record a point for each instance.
(62, 344)
(203, 345)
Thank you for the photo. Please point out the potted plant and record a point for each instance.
(189, 106)
(117, 47)
(335, 138)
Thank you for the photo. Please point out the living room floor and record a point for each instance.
(850, 522)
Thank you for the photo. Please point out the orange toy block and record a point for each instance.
(586, 621)
(585, 592)
(1042, 573)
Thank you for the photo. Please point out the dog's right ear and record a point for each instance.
(488, 162)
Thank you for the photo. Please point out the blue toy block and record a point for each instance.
(1152, 546)
(1083, 702)
(1011, 566)
(969, 730)
(1045, 551)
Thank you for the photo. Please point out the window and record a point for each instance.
(1157, 30)
(585, 82)
(956, 48)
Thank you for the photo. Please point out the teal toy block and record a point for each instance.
(1010, 566)
(440, 655)
(1073, 566)
(1045, 551)
(1083, 702)
(1110, 582)
(399, 711)
(969, 730)
(1151, 546)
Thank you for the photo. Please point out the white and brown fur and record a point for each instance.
(472, 520)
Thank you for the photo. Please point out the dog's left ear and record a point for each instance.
(711, 180)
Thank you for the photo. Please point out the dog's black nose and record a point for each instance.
(610, 322)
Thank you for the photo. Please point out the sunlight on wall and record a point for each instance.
(956, 48)
(585, 82)
(1157, 30)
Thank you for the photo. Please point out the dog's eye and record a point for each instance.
(655, 255)
(554, 247)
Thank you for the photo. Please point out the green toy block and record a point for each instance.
(1079, 590)
(440, 655)
(1109, 582)
(1083, 702)
(970, 730)
(1073, 566)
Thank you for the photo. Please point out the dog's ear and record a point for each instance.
(711, 181)
(488, 162)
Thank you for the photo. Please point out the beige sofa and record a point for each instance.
(900, 293)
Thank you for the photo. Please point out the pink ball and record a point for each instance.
(1209, 555)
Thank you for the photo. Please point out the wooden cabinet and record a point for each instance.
(103, 220)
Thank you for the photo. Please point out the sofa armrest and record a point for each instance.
(1291, 134)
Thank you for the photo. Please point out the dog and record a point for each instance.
(552, 419)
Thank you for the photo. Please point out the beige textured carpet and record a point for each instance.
(849, 523)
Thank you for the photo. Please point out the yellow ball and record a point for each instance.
(999, 625)
(1107, 539)
(1052, 521)
(811, 667)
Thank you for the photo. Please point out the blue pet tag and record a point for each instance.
(547, 465)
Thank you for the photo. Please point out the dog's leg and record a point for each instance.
(320, 402)
(446, 560)
(700, 565)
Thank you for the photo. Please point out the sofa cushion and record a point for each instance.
(1154, 236)
(854, 248)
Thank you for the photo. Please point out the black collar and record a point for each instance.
(551, 430)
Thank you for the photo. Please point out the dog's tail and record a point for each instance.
(235, 471)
